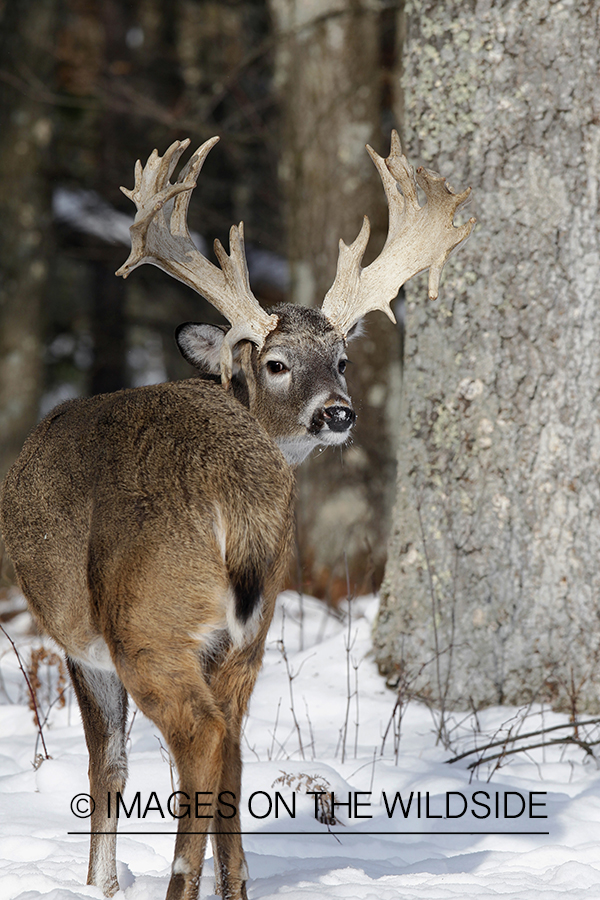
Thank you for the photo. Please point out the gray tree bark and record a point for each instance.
(492, 589)
(328, 76)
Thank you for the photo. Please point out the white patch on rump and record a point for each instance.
(96, 655)
(210, 637)
(242, 632)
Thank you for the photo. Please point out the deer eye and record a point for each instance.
(342, 366)
(276, 368)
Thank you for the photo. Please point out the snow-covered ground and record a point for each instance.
(317, 721)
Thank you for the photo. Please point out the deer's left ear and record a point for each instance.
(357, 330)
(200, 345)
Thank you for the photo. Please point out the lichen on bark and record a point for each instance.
(493, 563)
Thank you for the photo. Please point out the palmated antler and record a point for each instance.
(419, 237)
(160, 236)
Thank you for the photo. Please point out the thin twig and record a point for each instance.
(291, 676)
(270, 753)
(251, 747)
(166, 755)
(310, 728)
(128, 735)
(373, 770)
(441, 731)
(348, 643)
(31, 691)
(355, 666)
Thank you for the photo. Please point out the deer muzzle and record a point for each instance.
(334, 416)
(339, 418)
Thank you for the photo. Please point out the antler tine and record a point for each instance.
(188, 176)
(156, 172)
(446, 201)
(419, 237)
(160, 236)
(247, 325)
(151, 191)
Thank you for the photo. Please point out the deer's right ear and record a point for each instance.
(200, 345)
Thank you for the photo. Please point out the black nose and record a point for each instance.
(339, 418)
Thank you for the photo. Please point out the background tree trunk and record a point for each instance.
(331, 89)
(86, 87)
(492, 587)
(25, 132)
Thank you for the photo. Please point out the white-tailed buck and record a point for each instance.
(150, 529)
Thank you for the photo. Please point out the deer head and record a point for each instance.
(288, 365)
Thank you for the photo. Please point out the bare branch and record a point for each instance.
(523, 737)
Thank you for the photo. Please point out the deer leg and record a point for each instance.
(231, 871)
(169, 687)
(103, 704)
(232, 685)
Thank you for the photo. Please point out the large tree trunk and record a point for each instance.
(25, 132)
(492, 586)
(328, 74)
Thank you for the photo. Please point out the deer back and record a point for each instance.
(152, 500)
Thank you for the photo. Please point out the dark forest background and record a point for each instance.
(294, 90)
